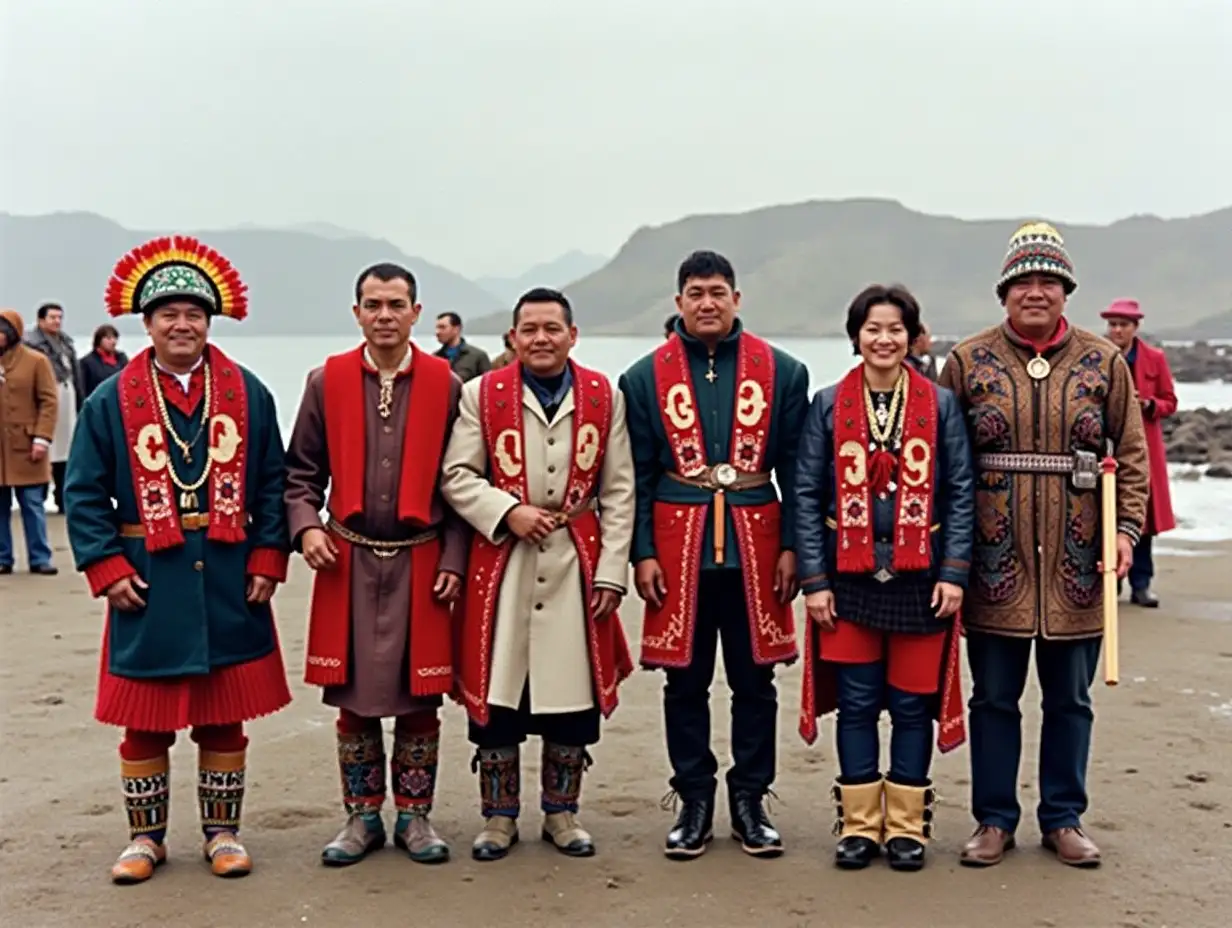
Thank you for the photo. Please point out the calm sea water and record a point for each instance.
(1204, 507)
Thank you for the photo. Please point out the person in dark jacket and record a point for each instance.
(885, 509)
(102, 362)
(466, 360)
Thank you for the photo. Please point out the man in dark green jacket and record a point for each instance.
(467, 361)
(714, 417)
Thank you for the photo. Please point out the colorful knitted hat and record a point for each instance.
(1036, 248)
(179, 268)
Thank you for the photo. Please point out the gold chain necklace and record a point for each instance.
(880, 435)
(188, 491)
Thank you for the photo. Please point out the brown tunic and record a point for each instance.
(1037, 538)
(379, 670)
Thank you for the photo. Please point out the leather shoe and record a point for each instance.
(1072, 847)
(44, 570)
(752, 828)
(855, 852)
(1144, 598)
(693, 831)
(986, 847)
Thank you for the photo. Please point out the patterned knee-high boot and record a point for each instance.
(361, 762)
(147, 796)
(413, 771)
(220, 792)
(500, 791)
(561, 774)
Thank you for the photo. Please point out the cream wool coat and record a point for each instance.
(548, 644)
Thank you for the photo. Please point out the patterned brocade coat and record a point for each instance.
(1037, 538)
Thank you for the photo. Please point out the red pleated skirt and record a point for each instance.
(224, 696)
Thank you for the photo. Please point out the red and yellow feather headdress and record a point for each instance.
(176, 268)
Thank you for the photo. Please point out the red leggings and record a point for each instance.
(913, 662)
(142, 745)
(416, 723)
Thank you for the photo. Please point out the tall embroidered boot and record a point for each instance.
(361, 763)
(561, 776)
(220, 792)
(413, 771)
(859, 825)
(908, 824)
(147, 797)
(500, 792)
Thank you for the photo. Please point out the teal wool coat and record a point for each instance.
(196, 616)
(652, 455)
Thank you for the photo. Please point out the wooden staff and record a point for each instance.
(1112, 657)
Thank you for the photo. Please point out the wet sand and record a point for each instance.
(1160, 779)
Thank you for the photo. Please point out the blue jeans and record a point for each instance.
(1066, 670)
(33, 521)
(1143, 567)
(862, 692)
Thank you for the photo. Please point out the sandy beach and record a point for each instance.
(1160, 779)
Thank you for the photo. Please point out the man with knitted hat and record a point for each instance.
(175, 515)
(1157, 399)
(1045, 401)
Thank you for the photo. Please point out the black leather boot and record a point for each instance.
(752, 828)
(860, 824)
(693, 831)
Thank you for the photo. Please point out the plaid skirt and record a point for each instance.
(901, 604)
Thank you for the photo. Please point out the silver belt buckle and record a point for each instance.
(1086, 470)
(883, 575)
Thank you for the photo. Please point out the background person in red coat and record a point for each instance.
(1157, 396)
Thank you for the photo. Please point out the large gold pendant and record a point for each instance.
(189, 502)
(1038, 367)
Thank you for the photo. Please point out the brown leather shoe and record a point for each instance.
(1072, 847)
(986, 847)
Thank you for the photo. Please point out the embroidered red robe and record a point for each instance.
(501, 413)
(430, 638)
(679, 528)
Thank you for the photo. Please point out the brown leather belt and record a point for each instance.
(721, 479)
(563, 518)
(1082, 467)
(191, 522)
(380, 547)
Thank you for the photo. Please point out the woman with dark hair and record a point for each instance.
(104, 361)
(884, 524)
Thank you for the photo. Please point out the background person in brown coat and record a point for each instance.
(28, 409)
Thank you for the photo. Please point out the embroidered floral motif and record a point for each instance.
(413, 772)
(991, 429)
(361, 762)
(1080, 579)
(988, 376)
(500, 780)
(996, 575)
(1087, 431)
(561, 777)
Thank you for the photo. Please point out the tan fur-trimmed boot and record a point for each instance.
(908, 824)
(861, 818)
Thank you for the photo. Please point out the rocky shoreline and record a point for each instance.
(1201, 437)
(1200, 362)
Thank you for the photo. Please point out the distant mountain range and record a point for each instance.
(571, 266)
(797, 265)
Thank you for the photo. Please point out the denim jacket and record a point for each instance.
(816, 492)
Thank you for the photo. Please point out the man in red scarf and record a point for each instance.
(1045, 401)
(174, 498)
(372, 427)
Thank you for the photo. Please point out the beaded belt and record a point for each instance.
(1082, 466)
(380, 547)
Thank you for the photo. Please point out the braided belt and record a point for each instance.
(1081, 466)
(380, 547)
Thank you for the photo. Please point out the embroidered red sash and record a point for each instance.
(667, 632)
(501, 415)
(854, 467)
(149, 454)
(819, 690)
(430, 640)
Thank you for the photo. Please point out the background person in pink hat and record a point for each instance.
(1157, 397)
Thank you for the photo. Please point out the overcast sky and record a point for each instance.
(487, 135)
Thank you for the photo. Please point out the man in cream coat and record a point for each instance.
(539, 463)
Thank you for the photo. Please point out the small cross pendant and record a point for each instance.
(711, 375)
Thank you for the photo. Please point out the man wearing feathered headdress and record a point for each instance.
(175, 515)
(1044, 400)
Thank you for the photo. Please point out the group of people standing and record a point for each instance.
(473, 542)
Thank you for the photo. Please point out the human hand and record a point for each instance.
(785, 584)
(531, 523)
(603, 603)
(38, 451)
(260, 589)
(1125, 556)
(947, 599)
(650, 583)
(320, 552)
(447, 587)
(123, 595)
(820, 608)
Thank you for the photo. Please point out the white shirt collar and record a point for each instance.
(403, 365)
(182, 379)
